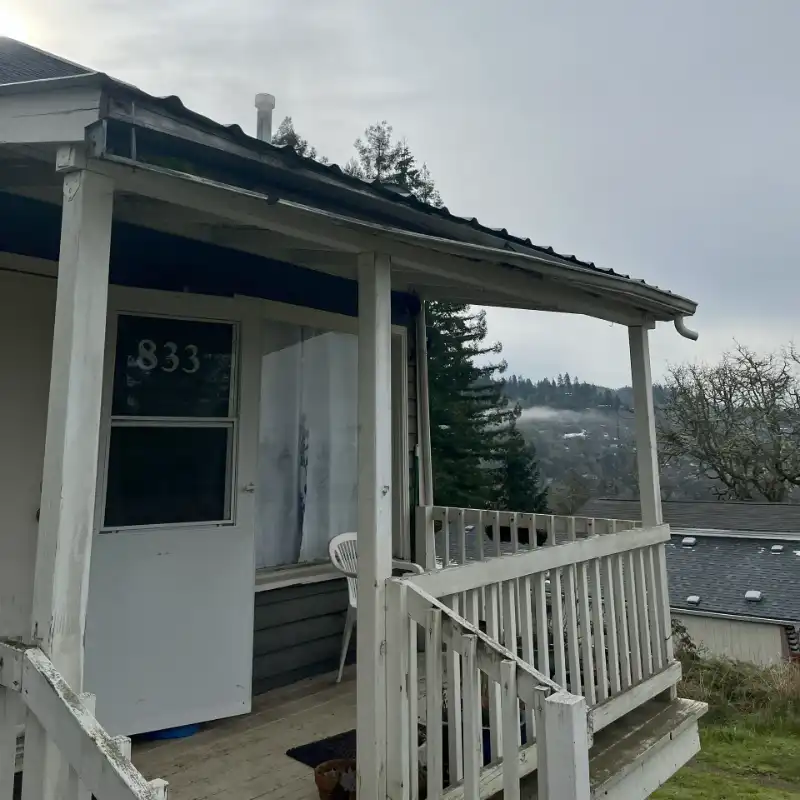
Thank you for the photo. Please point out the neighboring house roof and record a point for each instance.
(706, 515)
(21, 62)
(393, 204)
(721, 569)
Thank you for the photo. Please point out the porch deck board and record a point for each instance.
(244, 758)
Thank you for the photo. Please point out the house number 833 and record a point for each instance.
(169, 359)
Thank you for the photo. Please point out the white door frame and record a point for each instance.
(236, 696)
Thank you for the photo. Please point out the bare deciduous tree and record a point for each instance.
(738, 421)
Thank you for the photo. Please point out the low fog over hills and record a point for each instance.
(584, 438)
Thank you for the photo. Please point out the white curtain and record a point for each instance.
(307, 470)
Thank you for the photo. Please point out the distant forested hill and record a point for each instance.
(585, 443)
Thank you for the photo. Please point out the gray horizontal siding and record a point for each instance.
(298, 633)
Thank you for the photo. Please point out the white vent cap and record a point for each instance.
(693, 599)
(753, 596)
(777, 548)
(689, 541)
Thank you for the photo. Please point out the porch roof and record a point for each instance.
(475, 263)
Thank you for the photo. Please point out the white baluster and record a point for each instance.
(598, 629)
(433, 704)
(473, 735)
(510, 705)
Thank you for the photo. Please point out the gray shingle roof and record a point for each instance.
(20, 62)
(708, 515)
(721, 569)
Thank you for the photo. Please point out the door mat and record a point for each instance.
(343, 745)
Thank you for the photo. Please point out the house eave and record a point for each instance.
(698, 612)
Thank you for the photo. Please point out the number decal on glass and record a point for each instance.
(147, 359)
(194, 361)
(173, 362)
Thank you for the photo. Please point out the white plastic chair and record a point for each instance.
(344, 557)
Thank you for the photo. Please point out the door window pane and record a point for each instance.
(168, 367)
(164, 475)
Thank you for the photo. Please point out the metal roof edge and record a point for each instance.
(718, 533)
(99, 79)
(698, 612)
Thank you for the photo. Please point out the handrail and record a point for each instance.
(473, 662)
(507, 530)
(529, 679)
(101, 762)
(477, 574)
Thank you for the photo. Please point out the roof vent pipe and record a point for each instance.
(265, 105)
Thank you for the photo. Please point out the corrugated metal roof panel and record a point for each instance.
(26, 63)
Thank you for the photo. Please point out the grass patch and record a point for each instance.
(691, 784)
(751, 735)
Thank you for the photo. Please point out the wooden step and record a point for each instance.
(633, 756)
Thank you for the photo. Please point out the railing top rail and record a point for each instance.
(96, 756)
(490, 652)
(476, 574)
(471, 515)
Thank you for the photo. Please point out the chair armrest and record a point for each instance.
(407, 566)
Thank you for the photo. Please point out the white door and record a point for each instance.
(170, 617)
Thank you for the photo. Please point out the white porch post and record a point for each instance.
(645, 424)
(374, 516)
(424, 411)
(564, 749)
(649, 480)
(69, 478)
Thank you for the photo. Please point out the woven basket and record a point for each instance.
(327, 776)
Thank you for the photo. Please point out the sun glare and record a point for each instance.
(13, 24)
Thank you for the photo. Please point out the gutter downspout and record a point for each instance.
(687, 333)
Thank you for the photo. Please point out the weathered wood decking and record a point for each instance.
(244, 758)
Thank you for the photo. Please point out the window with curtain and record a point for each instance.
(307, 458)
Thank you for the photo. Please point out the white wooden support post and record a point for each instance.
(645, 426)
(649, 481)
(374, 516)
(69, 477)
(563, 743)
(424, 411)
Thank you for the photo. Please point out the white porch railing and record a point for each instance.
(33, 694)
(588, 608)
(465, 755)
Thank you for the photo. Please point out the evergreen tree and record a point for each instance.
(287, 136)
(520, 476)
(479, 456)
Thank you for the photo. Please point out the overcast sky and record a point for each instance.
(659, 139)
